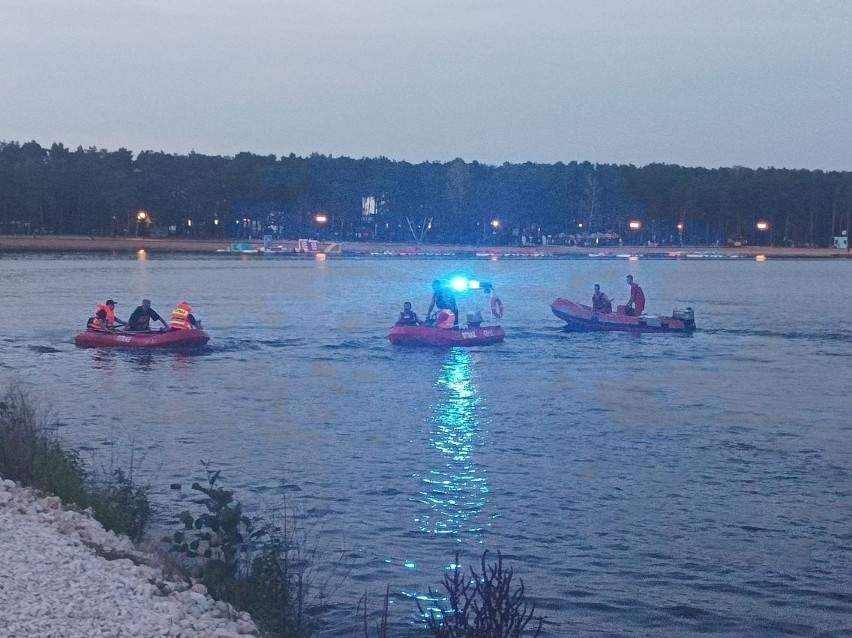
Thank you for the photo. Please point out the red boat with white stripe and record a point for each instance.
(173, 339)
(580, 317)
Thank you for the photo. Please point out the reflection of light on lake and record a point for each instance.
(456, 490)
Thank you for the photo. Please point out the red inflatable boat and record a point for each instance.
(581, 318)
(434, 336)
(154, 339)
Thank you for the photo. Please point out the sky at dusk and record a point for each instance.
(697, 83)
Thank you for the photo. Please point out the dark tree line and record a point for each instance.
(82, 191)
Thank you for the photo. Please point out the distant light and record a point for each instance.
(580, 225)
(141, 215)
(320, 218)
(762, 225)
(635, 225)
(495, 224)
(473, 284)
(680, 226)
(760, 257)
(216, 221)
(141, 255)
(189, 222)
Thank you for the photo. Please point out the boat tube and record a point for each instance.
(434, 336)
(174, 339)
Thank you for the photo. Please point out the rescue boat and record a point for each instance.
(580, 317)
(435, 336)
(174, 339)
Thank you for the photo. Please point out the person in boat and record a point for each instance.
(105, 318)
(182, 318)
(601, 304)
(407, 317)
(636, 304)
(140, 319)
(443, 299)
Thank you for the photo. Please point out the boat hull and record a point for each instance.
(174, 339)
(432, 336)
(580, 318)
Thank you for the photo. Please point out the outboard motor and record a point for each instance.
(686, 315)
(474, 319)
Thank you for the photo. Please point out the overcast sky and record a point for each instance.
(698, 83)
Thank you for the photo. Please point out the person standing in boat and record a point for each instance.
(182, 318)
(407, 317)
(105, 318)
(443, 299)
(601, 304)
(140, 320)
(637, 298)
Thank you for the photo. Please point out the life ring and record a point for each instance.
(496, 307)
(445, 319)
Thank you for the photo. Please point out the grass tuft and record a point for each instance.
(32, 454)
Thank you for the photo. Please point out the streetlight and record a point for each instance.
(764, 226)
(635, 225)
(680, 232)
(321, 220)
(141, 218)
(495, 224)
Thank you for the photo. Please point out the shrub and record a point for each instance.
(484, 606)
(31, 453)
(255, 567)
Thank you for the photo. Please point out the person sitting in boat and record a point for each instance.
(408, 317)
(443, 299)
(140, 319)
(637, 299)
(601, 304)
(105, 318)
(182, 318)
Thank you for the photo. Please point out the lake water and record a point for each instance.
(651, 485)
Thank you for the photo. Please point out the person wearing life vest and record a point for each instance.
(407, 317)
(105, 318)
(182, 318)
(443, 299)
(601, 304)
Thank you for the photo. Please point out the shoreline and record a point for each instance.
(72, 243)
(63, 572)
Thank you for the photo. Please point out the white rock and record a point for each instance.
(55, 584)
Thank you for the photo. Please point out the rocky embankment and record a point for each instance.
(63, 575)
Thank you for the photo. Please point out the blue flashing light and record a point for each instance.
(459, 284)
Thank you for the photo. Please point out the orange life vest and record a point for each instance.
(180, 317)
(445, 319)
(110, 318)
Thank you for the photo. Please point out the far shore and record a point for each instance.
(69, 243)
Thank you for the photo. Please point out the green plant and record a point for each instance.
(218, 538)
(484, 606)
(122, 506)
(256, 567)
(31, 453)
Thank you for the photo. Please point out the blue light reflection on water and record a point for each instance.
(458, 490)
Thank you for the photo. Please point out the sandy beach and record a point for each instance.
(69, 243)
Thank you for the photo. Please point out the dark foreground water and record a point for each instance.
(653, 485)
